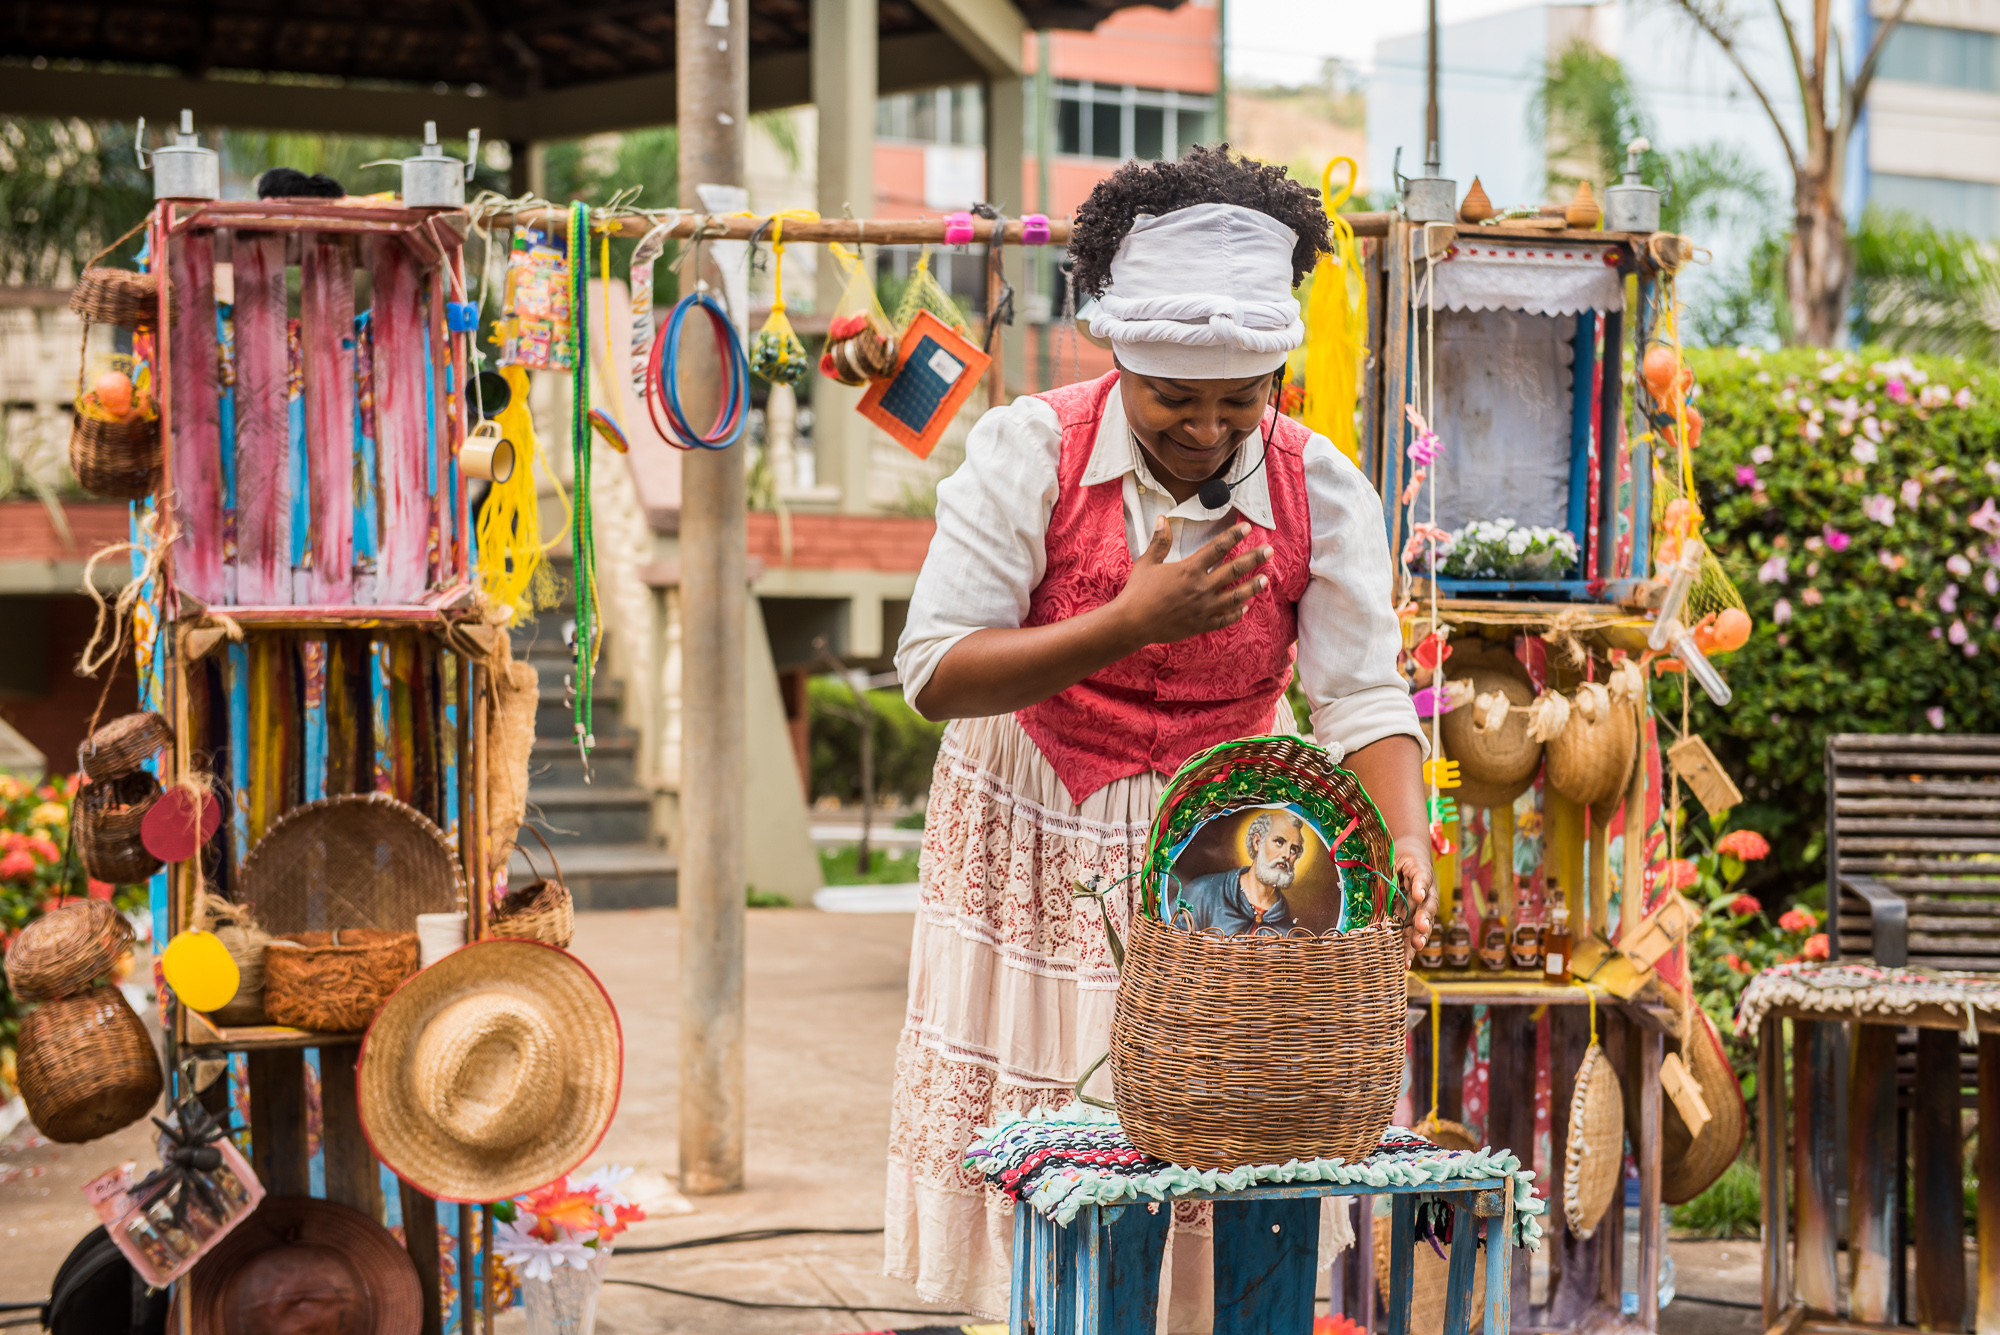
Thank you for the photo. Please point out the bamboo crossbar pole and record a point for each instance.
(848, 231)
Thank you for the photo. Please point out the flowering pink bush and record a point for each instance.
(1744, 845)
(1798, 919)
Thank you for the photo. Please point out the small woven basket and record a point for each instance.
(119, 296)
(1694, 1162)
(334, 982)
(124, 745)
(86, 1066)
(66, 950)
(105, 827)
(541, 910)
(245, 941)
(120, 460)
(1258, 1049)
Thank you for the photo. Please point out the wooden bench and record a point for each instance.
(1906, 815)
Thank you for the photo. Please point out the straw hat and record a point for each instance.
(1595, 1161)
(300, 1267)
(1691, 1164)
(492, 1072)
(1489, 737)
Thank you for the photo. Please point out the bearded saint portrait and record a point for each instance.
(1249, 899)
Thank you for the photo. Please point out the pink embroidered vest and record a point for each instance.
(1164, 704)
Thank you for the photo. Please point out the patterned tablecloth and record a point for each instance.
(1851, 990)
(1060, 1160)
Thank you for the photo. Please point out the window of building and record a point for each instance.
(1950, 57)
(1115, 122)
(1972, 207)
(955, 115)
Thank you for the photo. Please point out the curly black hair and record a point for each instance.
(1209, 174)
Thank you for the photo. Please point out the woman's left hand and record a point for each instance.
(1419, 885)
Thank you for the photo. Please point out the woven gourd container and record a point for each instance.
(66, 950)
(334, 982)
(1691, 1164)
(541, 910)
(1495, 764)
(1594, 1164)
(122, 297)
(104, 827)
(1591, 757)
(120, 460)
(1257, 1049)
(245, 941)
(124, 744)
(86, 1066)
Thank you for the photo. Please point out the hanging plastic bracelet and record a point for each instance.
(1035, 230)
(958, 228)
(663, 389)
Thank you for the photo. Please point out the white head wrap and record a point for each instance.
(1202, 293)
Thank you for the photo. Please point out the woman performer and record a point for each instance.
(1121, 571)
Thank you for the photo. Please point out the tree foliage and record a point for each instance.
(67, 189)
(1852, 498)
(1922, 288)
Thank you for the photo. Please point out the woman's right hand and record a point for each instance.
(1167, 601)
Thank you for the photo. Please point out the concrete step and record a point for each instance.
(609, 876)
(554, 717)
(591, 814)
(555, 763)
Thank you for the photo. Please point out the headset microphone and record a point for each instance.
(1214, 493)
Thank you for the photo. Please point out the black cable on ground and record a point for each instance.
(1716, 1302)
(785, 1307)
(747, 1235)
(23, 1307)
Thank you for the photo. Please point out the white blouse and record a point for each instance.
(989, 555)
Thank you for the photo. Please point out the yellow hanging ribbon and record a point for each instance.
(1590, 993)
(1437, 1042)
(1336, 322)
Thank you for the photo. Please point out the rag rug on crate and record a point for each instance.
(1058, 1161)
(1860, 991)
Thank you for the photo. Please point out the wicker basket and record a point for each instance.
(245, 941)
(1430, 1279)
(63, 952)
(1257, 1049)
(86, 1066)
(334, 982)
(1498, 764)
(119, 296)
(540, 911)
(359, 861)
(105, 828)
(124, 745)
(120, 460)
(1590, 759)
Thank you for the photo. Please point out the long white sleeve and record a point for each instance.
(990, 548)
(1348, 633)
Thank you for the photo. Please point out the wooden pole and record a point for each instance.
(713, 80)
(855, 231)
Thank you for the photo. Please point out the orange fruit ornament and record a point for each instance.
(113, 391)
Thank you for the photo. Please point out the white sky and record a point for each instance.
(1284, 41)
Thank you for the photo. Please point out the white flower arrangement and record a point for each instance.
(1502, 549)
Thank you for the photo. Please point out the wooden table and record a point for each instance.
(1894, 1149)
(1100, 1274)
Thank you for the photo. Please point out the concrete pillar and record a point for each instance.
(1006, 153)
(844, 82)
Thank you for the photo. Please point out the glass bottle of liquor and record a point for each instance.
(1556, 953)
(1458, 939)
(1431, 954)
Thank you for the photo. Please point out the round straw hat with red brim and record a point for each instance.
(493, 1072)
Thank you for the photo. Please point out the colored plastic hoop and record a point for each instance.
(663, 394)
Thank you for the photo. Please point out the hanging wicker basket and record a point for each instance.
(358, 861)
(120, 460)
(1497, 760)
(541, 910)
(124, 745)
(1590, 759)
(86, 1066)
(334, 982)
(245, 941)
(105, 827)
(65, 951)
(122, 297)
(1258, 1049)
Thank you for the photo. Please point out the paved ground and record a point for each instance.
(825, 999)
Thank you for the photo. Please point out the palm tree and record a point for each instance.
(67, 189)
(1922, 289)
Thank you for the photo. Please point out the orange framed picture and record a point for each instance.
(936, 370)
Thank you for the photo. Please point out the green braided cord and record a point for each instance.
(583, 546)
(1186, 799)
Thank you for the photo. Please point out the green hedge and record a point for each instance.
(906, 743)
(1894, 632)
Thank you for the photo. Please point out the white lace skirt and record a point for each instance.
(1011, 992)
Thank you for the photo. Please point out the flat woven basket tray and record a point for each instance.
(361, 861)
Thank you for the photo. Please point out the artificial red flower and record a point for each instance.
(1744, 845)
(1798, 920)
(1745, 904)
(17, 865)
(556, 1206)
(622, 1215)
(1816, 946)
